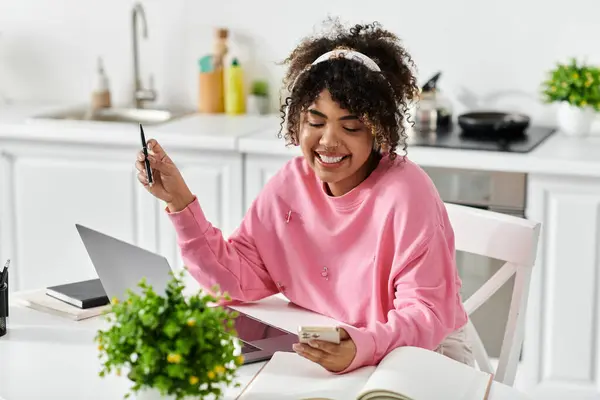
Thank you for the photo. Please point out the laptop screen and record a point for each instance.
(251, 330)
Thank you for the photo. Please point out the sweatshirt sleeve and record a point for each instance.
(234, 264)
(425, 307)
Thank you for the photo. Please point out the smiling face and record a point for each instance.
(336, 144)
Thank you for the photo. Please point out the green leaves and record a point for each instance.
(182, 347)
(260, 88)
(171, 328)
(578, 84)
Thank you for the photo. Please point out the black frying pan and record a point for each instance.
(493, 125)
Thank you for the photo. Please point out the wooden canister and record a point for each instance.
(211, 96)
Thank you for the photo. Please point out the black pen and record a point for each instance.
(145, 149)
(4, 272)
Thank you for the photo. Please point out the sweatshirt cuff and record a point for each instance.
(365, 348)
(189, 222)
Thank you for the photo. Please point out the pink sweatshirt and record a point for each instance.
(379, 258)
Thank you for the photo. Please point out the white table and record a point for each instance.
(48, 357)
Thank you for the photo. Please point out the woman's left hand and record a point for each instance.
(333, 357)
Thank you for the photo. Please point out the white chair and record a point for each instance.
(506, 238)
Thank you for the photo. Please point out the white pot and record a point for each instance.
(154, 394)
(257, 105)
(151, 394)
(575, 121)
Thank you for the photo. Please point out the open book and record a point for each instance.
(406, 373)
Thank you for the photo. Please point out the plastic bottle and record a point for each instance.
(235, 100)
(101, 94)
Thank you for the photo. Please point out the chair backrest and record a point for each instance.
(510, 239)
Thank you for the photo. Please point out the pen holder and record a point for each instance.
(3, 308)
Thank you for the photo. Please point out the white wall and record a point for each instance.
(495, 50)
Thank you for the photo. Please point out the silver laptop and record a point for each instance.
(121, 265)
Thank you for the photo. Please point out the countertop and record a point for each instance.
(559, 154)
(193, 131)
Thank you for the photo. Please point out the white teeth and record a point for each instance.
(331, 160)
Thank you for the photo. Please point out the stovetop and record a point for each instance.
(455, 139)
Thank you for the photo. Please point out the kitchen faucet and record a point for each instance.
(140, 95)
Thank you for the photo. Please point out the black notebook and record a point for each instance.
(84, 294)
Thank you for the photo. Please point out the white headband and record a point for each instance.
(348, 54)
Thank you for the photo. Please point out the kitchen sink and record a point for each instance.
(146, 116)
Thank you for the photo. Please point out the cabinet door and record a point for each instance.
(562, 340)
(258, 170)
(216, 179)
(45, 189)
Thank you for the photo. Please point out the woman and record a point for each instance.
(349, 230)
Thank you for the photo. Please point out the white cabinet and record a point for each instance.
(562, 342)
(45, 188)
(258, 170)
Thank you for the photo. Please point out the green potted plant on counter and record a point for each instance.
(170, 346)
(576, 87)
(258, 99)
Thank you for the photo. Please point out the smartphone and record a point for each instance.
(329, 334)
(145, 150)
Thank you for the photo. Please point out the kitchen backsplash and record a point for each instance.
(490, 53)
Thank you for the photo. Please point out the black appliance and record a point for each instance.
(491, 131)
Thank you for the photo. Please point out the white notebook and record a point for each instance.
(39, 300)
(407, 373)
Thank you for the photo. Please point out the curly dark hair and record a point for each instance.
(379, 98)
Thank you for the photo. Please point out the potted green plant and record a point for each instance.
(576, 87)
(170, 346)
(258, 98)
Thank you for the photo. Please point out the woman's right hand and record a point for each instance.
(168, 184)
